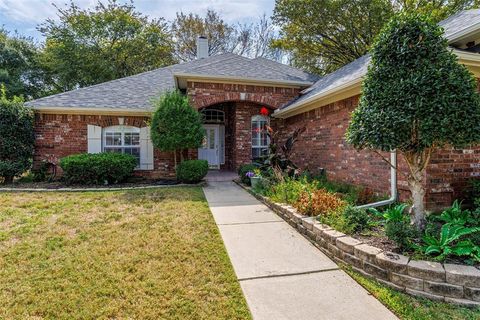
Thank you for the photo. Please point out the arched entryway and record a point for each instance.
(235, 133)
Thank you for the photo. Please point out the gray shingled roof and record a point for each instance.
(358, 68)
(347, 73)
(135, 92)
(459, 22)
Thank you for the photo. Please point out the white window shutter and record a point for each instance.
(146, 149)
(222, 144)
(94, 138)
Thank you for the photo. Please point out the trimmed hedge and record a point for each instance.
(242, 171)
(192, 171)
(97, 168)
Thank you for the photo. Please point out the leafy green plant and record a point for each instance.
(278, 159)
(391, 214)
(449, 242)
(456, 216)
(289, 190)
(97, 168)
(192, 171)
(397, 226)
(356, 219)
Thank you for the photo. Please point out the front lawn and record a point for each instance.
(150, 254)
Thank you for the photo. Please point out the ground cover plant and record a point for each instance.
(407, 307)
(150, 254)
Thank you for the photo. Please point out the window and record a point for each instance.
(122, 139)
(213, 116)
(260, 138)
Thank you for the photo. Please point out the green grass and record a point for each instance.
(412, 308)
(152, 254)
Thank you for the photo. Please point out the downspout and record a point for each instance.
(393, 185)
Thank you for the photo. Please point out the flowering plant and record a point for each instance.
(250, 174)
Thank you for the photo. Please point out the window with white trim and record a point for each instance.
(122, 139)
(213, 116)
(260, 140)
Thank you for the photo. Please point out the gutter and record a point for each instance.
(393, 186)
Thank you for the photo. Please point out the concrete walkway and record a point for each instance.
(282, 275)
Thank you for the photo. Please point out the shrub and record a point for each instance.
(398, 227)
(289, 190)
(319, 202)
(192, 171)
(356, 219)
(16, 138)
(97, 168)
(365, 195)
(242, 171)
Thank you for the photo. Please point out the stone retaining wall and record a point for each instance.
(458, 284)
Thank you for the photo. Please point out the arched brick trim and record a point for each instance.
(205, 94)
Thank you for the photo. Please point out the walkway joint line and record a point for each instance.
(289, 274)
(243, 223)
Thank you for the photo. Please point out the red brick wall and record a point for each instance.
(60, 135)
(323, 145)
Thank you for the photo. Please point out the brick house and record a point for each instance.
(230, 90)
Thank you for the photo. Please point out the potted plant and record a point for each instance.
(254, 177)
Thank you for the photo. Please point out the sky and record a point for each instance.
(24, 15)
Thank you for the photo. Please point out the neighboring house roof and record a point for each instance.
(351, 74)
(135, 93)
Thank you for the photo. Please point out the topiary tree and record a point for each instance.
(16, 137)
(416, 98)
(176, 125)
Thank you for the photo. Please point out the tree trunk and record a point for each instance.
(181, 155)
(417, 163)
(417, 212)
(175, 159)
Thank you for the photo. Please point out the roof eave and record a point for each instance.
(293, 83)
(465, 33)
(303, 106)
(91, 111)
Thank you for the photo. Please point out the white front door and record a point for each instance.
(210, 149)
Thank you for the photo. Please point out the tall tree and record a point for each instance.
(111, 41)
(20, 71)
(251, 40)
(416, 98)
(324, 35)
(187, 27)
(437, 10)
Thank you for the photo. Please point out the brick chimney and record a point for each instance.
(202, 47)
